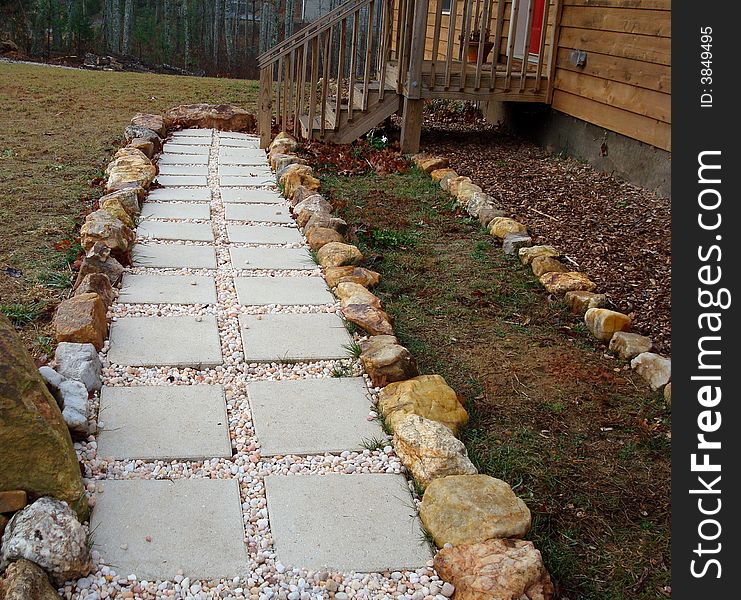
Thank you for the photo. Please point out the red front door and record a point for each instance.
(537, 26)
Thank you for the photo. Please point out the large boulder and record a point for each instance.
(337, 254)
(37, 451)
(428, 396)
(131, 168)
(465, 509)
(223, 117)
(386, 361)
(495, 569)
(25, 580)
(429, 450)
(81, 319)
(102, 226)
(48, 533)
(154, 122)
(99, 260)
(80, 362)
(361, 275)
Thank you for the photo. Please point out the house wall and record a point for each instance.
(625, 84)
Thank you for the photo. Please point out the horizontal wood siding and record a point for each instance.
(625, 85)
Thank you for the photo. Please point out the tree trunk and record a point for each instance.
(218, 17)
(113, 18)
(127, 23)
(186, 34)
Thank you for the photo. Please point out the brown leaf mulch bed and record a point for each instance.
(616, 233)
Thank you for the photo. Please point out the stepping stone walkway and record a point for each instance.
(233, 421)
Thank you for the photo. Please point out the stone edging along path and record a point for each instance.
(578, 291)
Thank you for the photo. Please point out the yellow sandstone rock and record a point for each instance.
(81, 319)
(354, 293)
(560, 283)
(501, 226)
(527, 255)
(438, 174)
(361, 275)
(547, 264)
(369, 318)
(579, 301)
(321, 236)
(114, 206)
(337, 254)
(428, 396)
(603, 323)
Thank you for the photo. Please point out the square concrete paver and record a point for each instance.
(195, 525)
(168, 169)
(165, 341)
(182, 159)
(271, 258)
(286, 291)
(245, 170)
(195, 140)
(173, 256)
(232, 142)
(197, 425)
(242, 159)
(167, 289)
(193, 132)
(180, 195)
(236, 181)
(194, 232)
(312, 416)
(361, 523)
(175, 210)
(170, 148)
(293, 337)
(266, 213)
(250, 196)
(263, 234)
(182, 180)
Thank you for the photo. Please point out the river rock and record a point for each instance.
(129, 198)
(130, 169)
(349, 292)
(143, 145)
(337, 254)
(102, 226)
(97, 283)
(429, 450)
(115, 208)
(560, 283)
(438, 174)
(386, 361)
(80, 362)
(428, 164)
(514, 241)
(81, 319)
(501, 226)
(466, 509)
(654, 368)
(25, 580)
(580, 301)
(369, 318)
(37, 451)
(547, 264)
(428, 396)
(629, 345)
(154, 122)
(528, 255)
(495, 569)
(295, 176)
(99, 260)
(361, 275)
(48, 534)
(320, 236)
(603, 323)
(223, 117)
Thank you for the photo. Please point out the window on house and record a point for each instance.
(445, 6)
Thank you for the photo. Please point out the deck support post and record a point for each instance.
(411, 125)
(265, 108)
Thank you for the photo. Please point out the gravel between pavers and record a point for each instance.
(266, 577)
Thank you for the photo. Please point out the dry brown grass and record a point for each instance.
(60, 129)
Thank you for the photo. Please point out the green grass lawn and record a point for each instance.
(60, 128)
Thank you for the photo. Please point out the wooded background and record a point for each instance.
(213, 37)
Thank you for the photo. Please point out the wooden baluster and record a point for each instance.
(465, 34)
(300, 89)
(265, 106)
(526, 51)
(368, 55)
(353, 64)
(401, 48)
(284, 83)
(451, 42)
(435, 42)
(384, 47)
(541, 48)
(279, 90)
(325, 80)
(483, 38)
(340, 73)
(313, 82)
(498, 27)
(514, 11)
